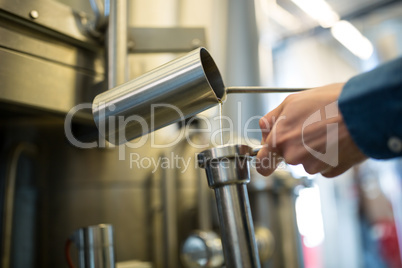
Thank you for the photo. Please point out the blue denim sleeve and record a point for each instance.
(371, 105)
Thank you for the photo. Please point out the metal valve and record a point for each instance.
(204, 248)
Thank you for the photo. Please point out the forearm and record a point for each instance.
(371, 105)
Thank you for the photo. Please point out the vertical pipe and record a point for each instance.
(11, 177)
(290, 237)
(242, 65)
(239, 245)
(95, 246)
(116, 43)
(204, 205)
(169, 194)
(227, 169)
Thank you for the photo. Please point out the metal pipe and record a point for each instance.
(234, 90)
(236, 226)
(169, 199)
(204, 197)
(101, 8)
(11, 177)
(227, 169)
(290, 238)
(95, 246)
(116, 43)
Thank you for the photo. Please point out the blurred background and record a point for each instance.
(58, 54)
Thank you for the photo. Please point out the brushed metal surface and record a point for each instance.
(42, 84)
(174, 39)
(116, 44)
(9, 199)
(19, 39)
(45, 65)
(170, 93)
(247, 90)
(95, 246)
(53, 17)
(227, 169)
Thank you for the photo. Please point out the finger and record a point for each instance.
(268, 158)
(314, 166)
(267, 122)
(265, 128)
(336, 171)
(263, 161)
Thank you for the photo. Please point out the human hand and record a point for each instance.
(307, 128)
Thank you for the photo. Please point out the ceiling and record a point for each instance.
(343, 7)
(346, 9)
